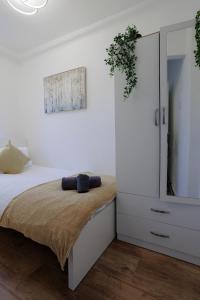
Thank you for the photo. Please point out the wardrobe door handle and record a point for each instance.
(157, 117)
(164, 116)
(160, 211)
(164, 236)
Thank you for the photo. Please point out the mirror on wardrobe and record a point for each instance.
(183, 173)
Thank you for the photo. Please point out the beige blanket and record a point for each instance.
(53, 217)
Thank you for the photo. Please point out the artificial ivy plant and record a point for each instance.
(121, 56)
(197, 36)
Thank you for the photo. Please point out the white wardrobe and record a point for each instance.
(158, 205)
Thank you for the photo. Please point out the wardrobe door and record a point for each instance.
(137, 124)
(180, 115)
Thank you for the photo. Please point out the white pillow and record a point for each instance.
(25, 151)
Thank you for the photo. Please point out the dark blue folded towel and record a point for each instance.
(83, 183)
(69, 183)
(94, 182)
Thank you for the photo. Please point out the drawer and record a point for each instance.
(176, 238)
(176, 214)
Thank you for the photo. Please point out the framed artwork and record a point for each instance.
(65, 91)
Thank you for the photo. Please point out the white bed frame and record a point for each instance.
(95, 237)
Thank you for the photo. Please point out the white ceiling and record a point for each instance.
(20, 34)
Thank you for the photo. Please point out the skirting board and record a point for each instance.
(95, 237)
(179, 255)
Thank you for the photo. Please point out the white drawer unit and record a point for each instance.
(180, 215)
(172, 237)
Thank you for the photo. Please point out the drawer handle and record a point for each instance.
(160, 235)
(160, 211)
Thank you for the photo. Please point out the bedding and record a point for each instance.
(12, 160)
(11, 185)
(25, 151)
(50, 216)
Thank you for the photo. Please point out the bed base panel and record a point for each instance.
(95, 237)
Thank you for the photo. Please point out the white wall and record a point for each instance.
(85, 138)
(8, 100)
(79, 138)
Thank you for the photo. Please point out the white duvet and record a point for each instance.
(12, 186)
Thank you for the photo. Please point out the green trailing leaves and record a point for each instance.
(197, 37)
(121, 56)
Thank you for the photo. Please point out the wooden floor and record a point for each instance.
(124, 272)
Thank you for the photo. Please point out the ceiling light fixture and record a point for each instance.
(27, 7)
(35, 3)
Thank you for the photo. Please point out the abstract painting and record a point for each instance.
(65, 91)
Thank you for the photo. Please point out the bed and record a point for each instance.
(77, 227)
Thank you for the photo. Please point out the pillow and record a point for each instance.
(12, 160)
(25, 151)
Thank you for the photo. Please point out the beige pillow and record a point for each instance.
(12, 160)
